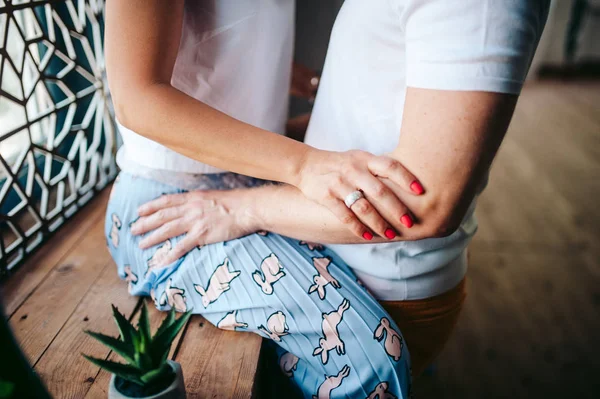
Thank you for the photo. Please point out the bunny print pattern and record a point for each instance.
(323, 277)
(219, 283)
(288, 362)
(331, 334)
(393, 341)
(270, 272)
(381, 392)
(230, 322)
(331, 338)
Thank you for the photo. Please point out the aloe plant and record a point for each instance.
(145, 354)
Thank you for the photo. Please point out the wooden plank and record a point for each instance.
(585, 97)
(216, 363)
(529, 318)
(25, 280)
(65, 372)
(545, 175)
(37, 321)
(99, 387)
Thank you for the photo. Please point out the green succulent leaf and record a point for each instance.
(144, 324)
(144, 361)
(170, 319)
(137, 341)
(115, 344)
(164, 356)
(125, 328)
(153, 375)
(124, 371)
(146, 354)
(162, 342)
(6, 388)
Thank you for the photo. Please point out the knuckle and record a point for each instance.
(379, 190)
(201, 230)
(356, 169)
(330, 195)
(362, 206)
(337, 180)
(197, 230)
(347, 218)
(188, 217)
(390, 164)
(172, 226)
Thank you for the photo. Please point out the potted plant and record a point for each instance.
(148, 374)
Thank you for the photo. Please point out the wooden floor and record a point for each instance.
(531, 327)
(68, 285)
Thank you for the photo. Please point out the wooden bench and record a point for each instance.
(67, 286)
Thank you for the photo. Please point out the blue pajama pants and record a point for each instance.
(333, 338)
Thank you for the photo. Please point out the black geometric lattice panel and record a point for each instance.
(57, 131)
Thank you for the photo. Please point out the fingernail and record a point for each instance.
(407, 220)
(417, 188)
(389, 233)
(367, 236)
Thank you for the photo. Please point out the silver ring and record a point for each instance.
(353, 197)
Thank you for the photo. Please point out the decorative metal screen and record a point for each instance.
(56, 123)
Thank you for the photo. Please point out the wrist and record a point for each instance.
(310, 157)
(248, 214)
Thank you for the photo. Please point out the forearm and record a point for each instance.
(192, 128)
(283, 209)
(450, 150)
(142, 40)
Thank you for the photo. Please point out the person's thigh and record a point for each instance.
(427, 324)
(333, 338)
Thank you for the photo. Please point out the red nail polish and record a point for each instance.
(367, 236)
(389, 233)
(407, 220)
(417, 188)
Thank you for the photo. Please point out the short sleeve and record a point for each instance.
(480, 45)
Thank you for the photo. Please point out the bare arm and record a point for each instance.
(451, 148)
(142, 40)
(448, 139)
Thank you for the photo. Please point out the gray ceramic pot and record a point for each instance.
(175, 391)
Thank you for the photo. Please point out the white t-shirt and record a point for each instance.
(377, 49)
(234, 55)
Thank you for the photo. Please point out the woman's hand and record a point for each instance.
(329, 177)
(205, 217)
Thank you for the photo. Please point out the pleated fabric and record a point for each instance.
(333, 339)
